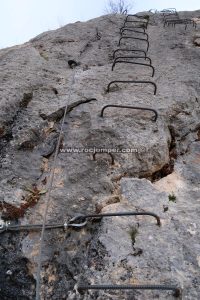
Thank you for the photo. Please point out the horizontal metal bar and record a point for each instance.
(131, 107)
(133, 63)
(135, 31)
(188, 21)
(136, 16)
(134, 57)
(170, 15)
(135, 27)
(145, 24)
(133, 38)
(179, 21)
(174, 288)
(129, 50)
(131, 81)
(82, 218)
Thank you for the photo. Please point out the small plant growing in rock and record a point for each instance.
(44, 55)
(172, 197)
(133, 232)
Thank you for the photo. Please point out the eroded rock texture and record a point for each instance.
(161, 174)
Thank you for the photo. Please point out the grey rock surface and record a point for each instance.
(158, 172)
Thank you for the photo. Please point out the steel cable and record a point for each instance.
(49, 192)
(78, 221)
(173, 288)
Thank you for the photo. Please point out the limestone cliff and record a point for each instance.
(161, 174)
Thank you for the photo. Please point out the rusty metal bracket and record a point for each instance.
(135, 27)
(131, 81)
(112, 157)
(129, 50)
(131, 107)
(135, 31)
(134, 57)
(133, 63)
(133, 38)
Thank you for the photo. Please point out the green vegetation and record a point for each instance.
(172, 197)
(44, 55)
(133, 232)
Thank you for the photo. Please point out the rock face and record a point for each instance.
(153, 166)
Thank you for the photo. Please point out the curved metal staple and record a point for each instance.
(169, 21)
(129, 50)
(165, 17)
(169, 10)
(133, 63)
(131, 107)
(135, 27)
(168, 13)
(82, 218)
(112, 157)
(179, 21)
(134, 57)
(131, 81)
(133, 38)
(175, 289)
(145, 24)
(131, 30)
(136, 16)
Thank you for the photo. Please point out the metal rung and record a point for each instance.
(176, 290)
(133, 63)
(131, 81)
(135, 31)
(133, 57)
(82, 218)
(131, 107)
(136, 16)
(129, 50)
(133, 38)
(135, 27)
(179, 21)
